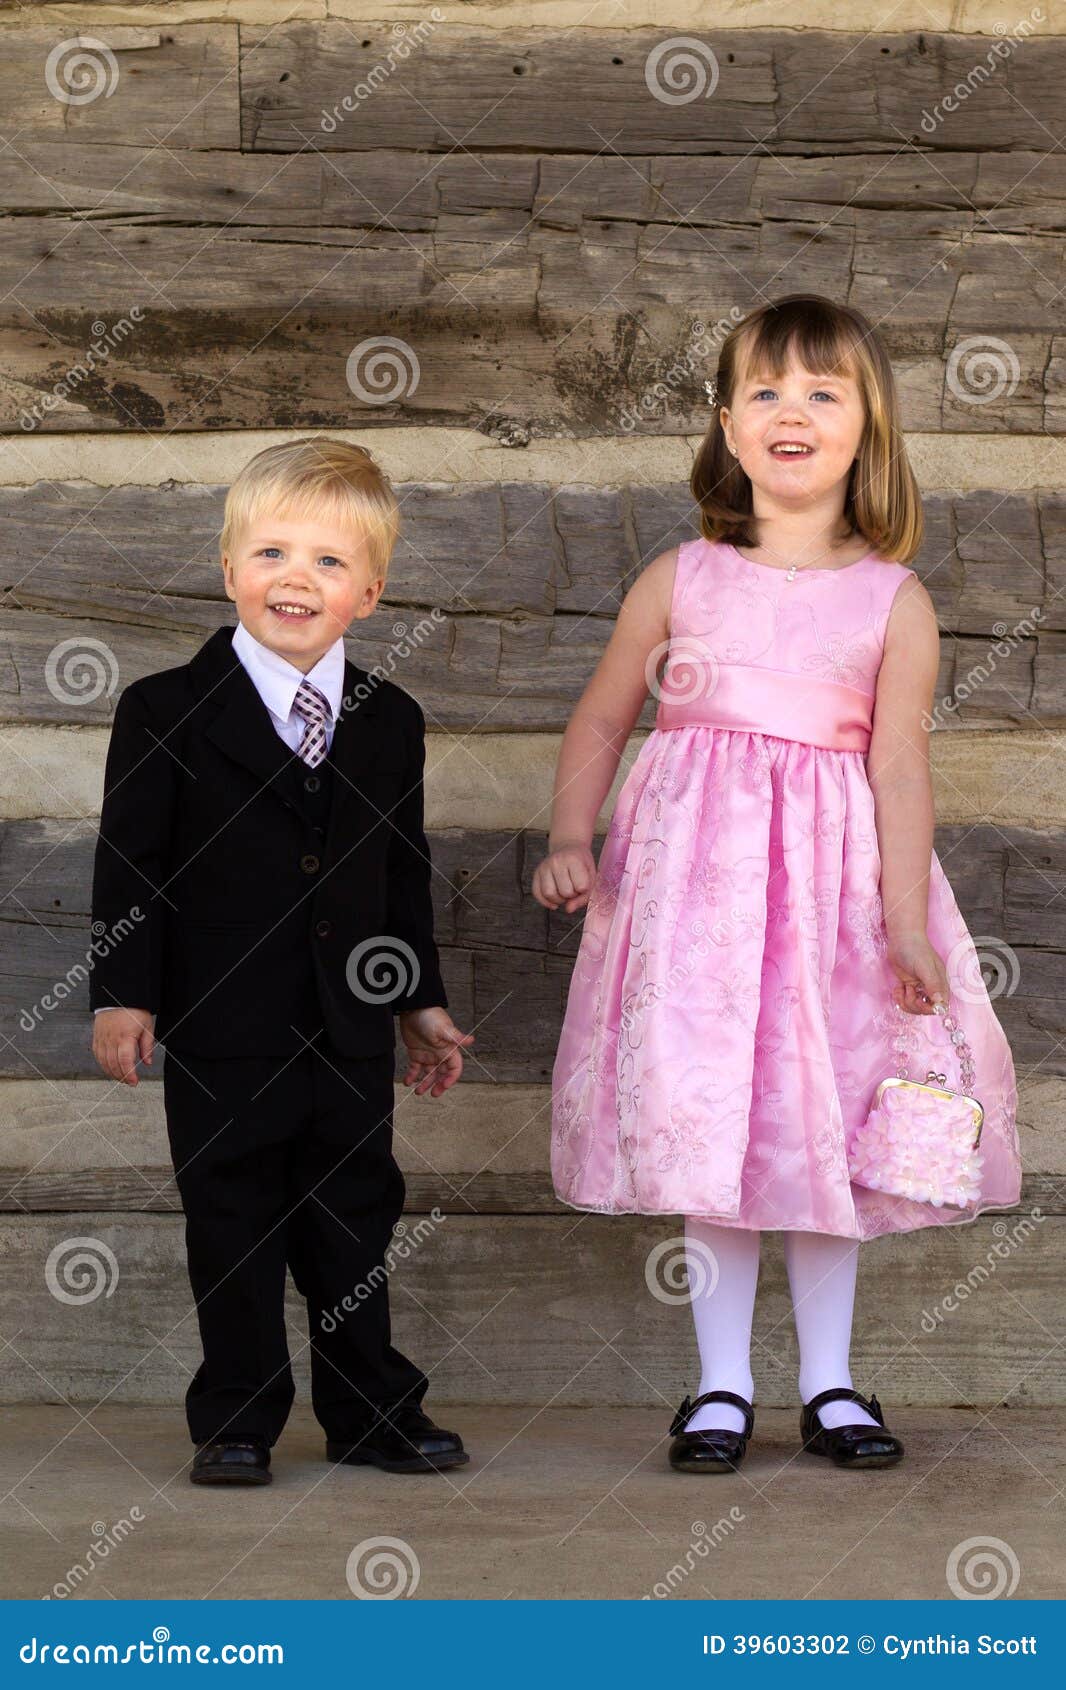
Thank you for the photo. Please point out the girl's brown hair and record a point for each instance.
(317, 476)
(882, 500)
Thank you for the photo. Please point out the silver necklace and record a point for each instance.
(792, 568)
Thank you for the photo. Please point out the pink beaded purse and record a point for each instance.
(920, 1139)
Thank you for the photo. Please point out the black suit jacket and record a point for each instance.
(217, 905)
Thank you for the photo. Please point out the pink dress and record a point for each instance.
(730, 1011)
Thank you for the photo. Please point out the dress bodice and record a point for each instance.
(751, 648)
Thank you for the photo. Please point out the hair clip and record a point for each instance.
(711, 389)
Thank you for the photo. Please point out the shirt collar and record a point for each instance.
(276, 679)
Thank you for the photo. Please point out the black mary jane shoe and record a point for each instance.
(849, 1446)
(715, 1450)
(231, 1461)
(406, 1442)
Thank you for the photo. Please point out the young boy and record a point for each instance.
(262, 834)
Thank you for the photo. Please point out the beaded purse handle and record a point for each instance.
(967, 1075)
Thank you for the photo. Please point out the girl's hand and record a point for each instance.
(435, 1060)
(566, 876)
(922, 975)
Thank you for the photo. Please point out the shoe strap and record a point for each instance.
(689, 1407)
(839, 1393)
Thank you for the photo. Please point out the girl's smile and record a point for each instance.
(795, 434)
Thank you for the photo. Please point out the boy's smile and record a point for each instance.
(298, 585)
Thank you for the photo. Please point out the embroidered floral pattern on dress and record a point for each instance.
(828, 1145)
(866, 922)
(730, 1012)
(838, 658)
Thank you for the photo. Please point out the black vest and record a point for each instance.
(311, 792)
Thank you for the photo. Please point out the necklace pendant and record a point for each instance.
(791, 576)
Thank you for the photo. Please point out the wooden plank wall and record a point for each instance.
(206, 255)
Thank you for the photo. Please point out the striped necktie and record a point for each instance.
(313, 706)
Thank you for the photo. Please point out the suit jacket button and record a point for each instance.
(312, 783)
(309, 864)
(323, 929)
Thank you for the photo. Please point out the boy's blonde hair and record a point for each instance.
(317, 477)
(882, 501)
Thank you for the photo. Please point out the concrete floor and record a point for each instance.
(554, 1503)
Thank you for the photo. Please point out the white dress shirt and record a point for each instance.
(275, 680)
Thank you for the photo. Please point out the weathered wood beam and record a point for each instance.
(500, 598)
(566, 1313)
(506, 960)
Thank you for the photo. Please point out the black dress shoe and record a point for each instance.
(716, 1450)
(849, 1446)
(406, 1442)
(232, 1460)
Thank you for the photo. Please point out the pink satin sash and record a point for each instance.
(765, 701)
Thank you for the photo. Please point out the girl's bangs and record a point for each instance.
(822, 343)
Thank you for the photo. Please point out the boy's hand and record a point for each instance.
(566, 876)
(120, 1036)
(922, 976)
(432, 1041)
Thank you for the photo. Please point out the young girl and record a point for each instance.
(769, 926)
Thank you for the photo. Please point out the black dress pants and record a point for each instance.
(288, 1163)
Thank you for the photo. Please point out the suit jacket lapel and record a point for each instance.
(356, 740)
(242, 727)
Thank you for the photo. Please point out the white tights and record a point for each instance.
(724, 1270)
